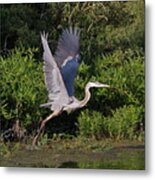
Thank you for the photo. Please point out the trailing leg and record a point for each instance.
(43, 123)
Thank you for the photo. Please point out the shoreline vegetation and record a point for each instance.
(77, 153)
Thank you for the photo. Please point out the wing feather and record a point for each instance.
(55, 86)
(68, 45)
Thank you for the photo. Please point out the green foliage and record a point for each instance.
(22, 86)
(117, 112)
(124, 72)
(4, 150)
(90, 124)
(112, 51)
(123, 122)
(105, 26)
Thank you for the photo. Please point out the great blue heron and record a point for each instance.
(60, 72)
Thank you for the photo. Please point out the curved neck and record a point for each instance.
(86, 98)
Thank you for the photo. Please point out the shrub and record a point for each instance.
(119, 111)
(112, 51)
(125, 74)
(105, 25)
(22, 88)
(112, 112)
(90, 124)
(122, 124)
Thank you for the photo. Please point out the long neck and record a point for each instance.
(86, 98)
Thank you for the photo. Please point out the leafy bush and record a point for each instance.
(90, 124)
(112, 112)
(119, 111)
(22, 86)
(122, 124)
(112, 51)
(106, 26)
(125, 72)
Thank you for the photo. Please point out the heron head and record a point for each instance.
(97, 85)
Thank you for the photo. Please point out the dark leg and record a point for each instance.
(43, 125)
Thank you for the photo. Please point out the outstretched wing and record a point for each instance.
(68, 45)
(57, 93)
(67, 57)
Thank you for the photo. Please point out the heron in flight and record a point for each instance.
(60, 71)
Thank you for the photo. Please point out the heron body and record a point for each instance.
(68, 72)
(60, 71)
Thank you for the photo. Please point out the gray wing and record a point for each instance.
(68, 45)
(57, 93)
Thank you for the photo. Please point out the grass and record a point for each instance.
(77, 153)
